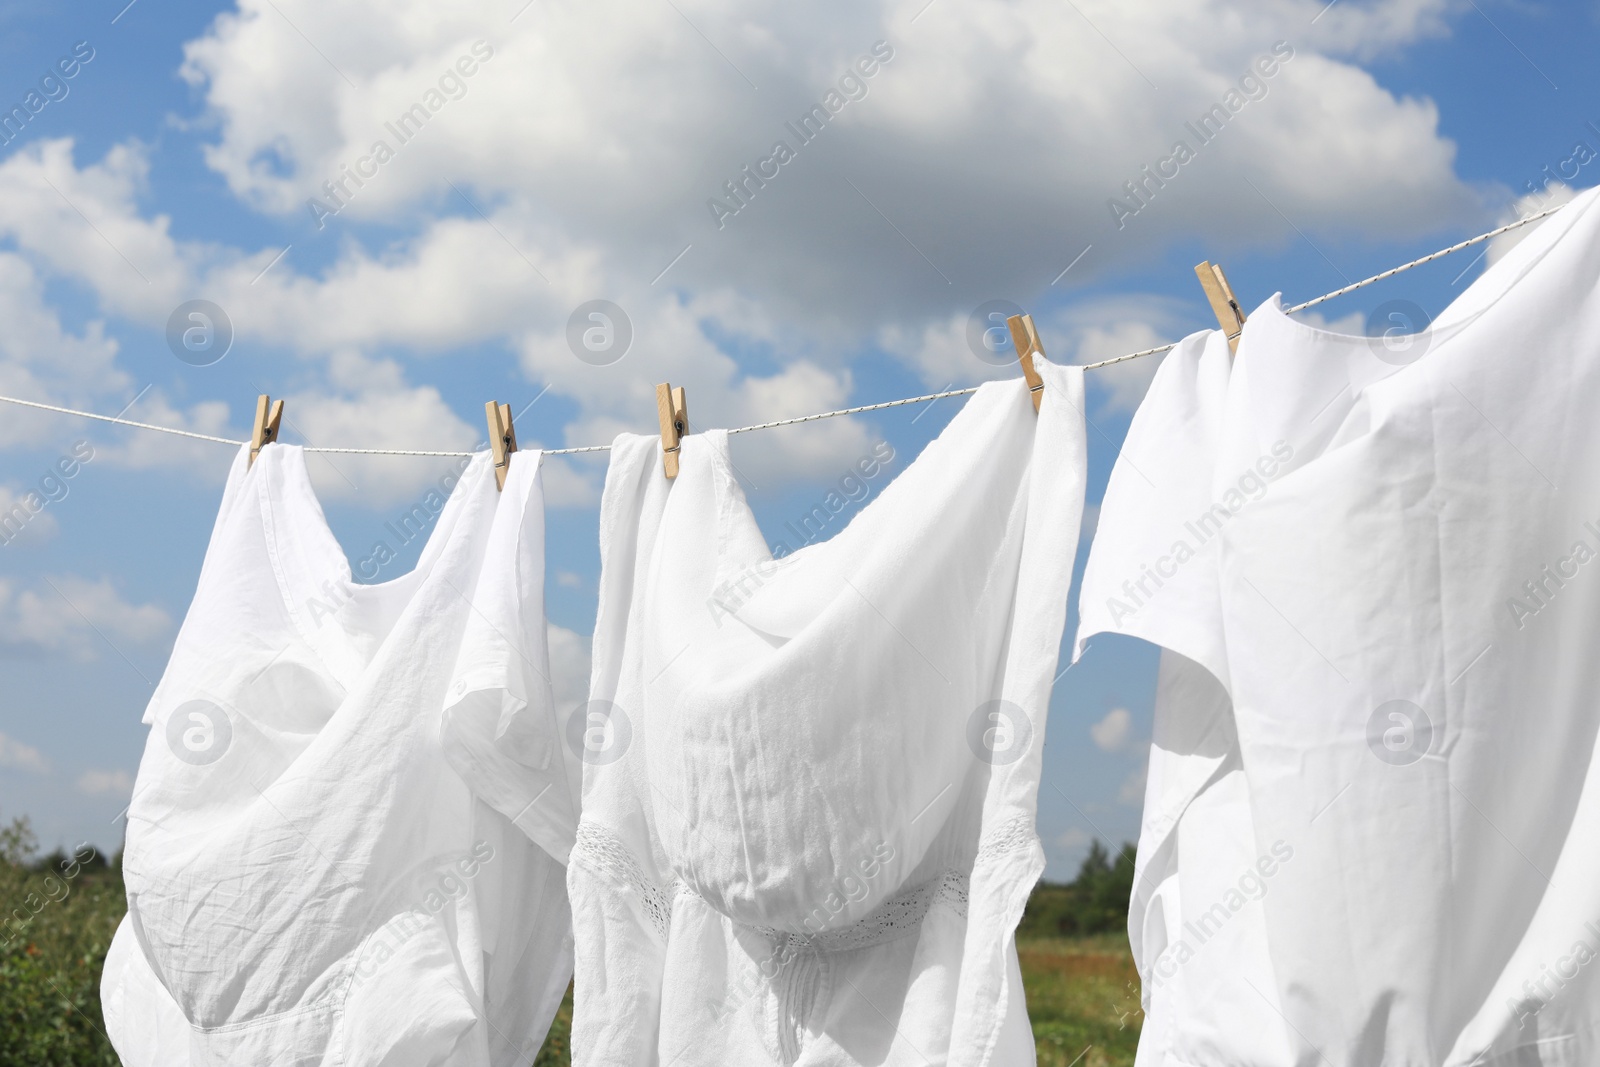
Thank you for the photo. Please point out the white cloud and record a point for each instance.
(367, 404)
(42, 360)
(620, 124)
(942, 352)
(943, 355)
(600, 132)
(143, 449)
(1131, 794)
(573, 483)
(680, 350)
(97, 783)
(569, 579)
(1074, 837)
(1117, 327)
(1353, 322)
(1111, 733)
(569, 667)
(447, 288)
(74, 616)
(18, 756)
(577, 159)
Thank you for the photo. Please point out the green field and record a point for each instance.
(1082, 997)
(61, 911)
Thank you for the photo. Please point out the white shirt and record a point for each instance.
(1370, 826)
(810, 783)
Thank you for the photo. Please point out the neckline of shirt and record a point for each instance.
(311, 567)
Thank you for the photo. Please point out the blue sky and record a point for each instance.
(584, 158)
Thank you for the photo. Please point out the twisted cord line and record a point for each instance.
(1429, 258)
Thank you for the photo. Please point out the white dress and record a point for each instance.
(809, 783)
(309, 881)
(1371, 821)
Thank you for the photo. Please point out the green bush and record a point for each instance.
(1096, 902)
(57, 916)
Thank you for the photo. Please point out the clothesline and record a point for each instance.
(1430, 257)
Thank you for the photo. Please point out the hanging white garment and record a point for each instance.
(501, 731)
(810, 782)
(1198, 936)
(1369, 832)
(309, 882)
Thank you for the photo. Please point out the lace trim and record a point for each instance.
(899, 916)
(952, 892)
(603, 852)
(1013, 836)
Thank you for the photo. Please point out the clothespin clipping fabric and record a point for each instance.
(672, 408)
(1230, 316)
(502, 439)
(269, 417)
(1025, 339)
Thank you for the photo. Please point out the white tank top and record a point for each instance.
(309, 881)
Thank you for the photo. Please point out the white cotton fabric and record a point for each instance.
(1370, 824)
(810, 783)
(309, 882)
(501, 729)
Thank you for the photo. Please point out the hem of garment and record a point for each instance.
(1017, 856)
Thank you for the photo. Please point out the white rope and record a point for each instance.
(822, 414)
(1130, 355)
(855, 411)
(1429, 258)
(119, 422)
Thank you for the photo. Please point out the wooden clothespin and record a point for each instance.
(1229, 314)
(673, 409)
(1025, 339)
(502, 439)
(269, 416)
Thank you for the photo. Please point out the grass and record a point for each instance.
(1083, 999)
(1081, 987)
